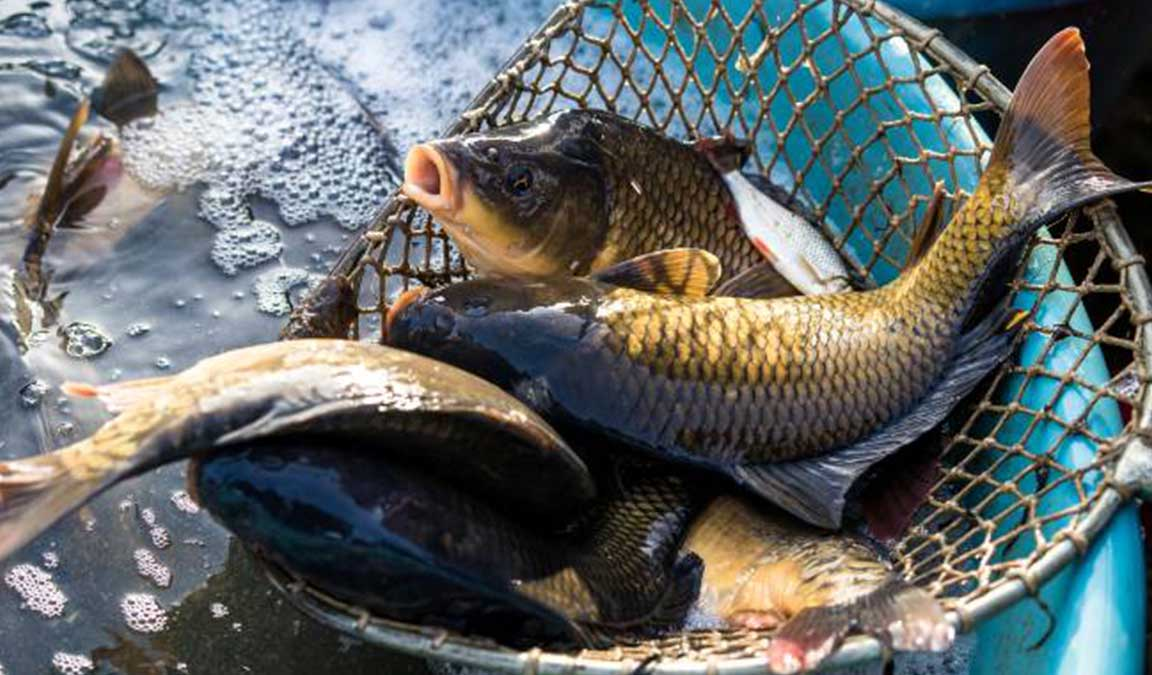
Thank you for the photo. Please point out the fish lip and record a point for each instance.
(441, 193)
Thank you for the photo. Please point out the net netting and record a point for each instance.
(859, 112)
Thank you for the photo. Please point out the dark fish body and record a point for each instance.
(575, 192)
(793, 397)
(766, 570)
(390, 403)
(409, 547)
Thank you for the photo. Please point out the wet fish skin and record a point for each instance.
(575, 192)
(795, 397)
(409, 547)
(398, 403)
(765, 570)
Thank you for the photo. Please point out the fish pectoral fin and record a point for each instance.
(676, 271)
(816, 489)
(129, 91)
(901, 616)
(682, 593)
(930, 227)
(725, 152)
(759, 281)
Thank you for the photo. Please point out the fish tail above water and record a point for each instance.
(1041, 167)
(903, 617)
(129, 90)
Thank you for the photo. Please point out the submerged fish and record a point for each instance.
(581, 190)
(409, 547)
(764, 570)
(794, 397)
(392, 402)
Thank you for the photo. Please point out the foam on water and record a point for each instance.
(266, 119)
(149, 567)
(143, 613)
(72, 664)
(37, 590)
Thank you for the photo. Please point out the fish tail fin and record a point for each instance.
(1042, 153)
(129, 91)
(38, 491)
(902, 616)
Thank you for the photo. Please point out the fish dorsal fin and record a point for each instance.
(759, 281)
(675, 271)
(128, 92)
(930, 227)
(816, 489)
(725, 152)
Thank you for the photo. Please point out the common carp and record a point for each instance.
(581, 190)
(407, 546)
(391, 402)
(764, 570)
(793, 397)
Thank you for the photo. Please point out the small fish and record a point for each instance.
(763, 570)
(410, 547)
(793, 398)
(787, 236)
(581, 190)
(397, 403)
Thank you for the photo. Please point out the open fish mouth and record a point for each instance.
(432, 181)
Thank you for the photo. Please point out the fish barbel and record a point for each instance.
(794, 397)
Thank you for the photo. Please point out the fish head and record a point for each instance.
(505, 330)
(528, 199)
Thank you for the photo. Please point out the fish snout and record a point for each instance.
(431, 180)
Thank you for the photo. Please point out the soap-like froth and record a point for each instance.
(37, 590)
(143, 613)
(265, 119)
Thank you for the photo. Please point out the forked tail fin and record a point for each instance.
(35, 493)
(1042, 148)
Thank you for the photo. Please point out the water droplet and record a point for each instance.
(139, 329)
(33, 393)
(83, 340)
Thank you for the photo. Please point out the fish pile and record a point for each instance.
(655, 403)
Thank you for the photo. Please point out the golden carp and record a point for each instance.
(794, 397)
(407, 407)
(764, 570)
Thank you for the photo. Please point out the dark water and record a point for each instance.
(261, 166)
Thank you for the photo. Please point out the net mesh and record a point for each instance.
(853, 109)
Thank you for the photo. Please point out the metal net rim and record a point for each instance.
(1133, 463)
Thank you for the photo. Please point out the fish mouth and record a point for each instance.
(432, 181)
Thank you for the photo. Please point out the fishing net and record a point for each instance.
(859, 111)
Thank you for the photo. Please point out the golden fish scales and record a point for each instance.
(986, 537)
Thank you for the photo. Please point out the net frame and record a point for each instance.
(974, 572)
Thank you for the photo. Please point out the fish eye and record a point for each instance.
(519, 180)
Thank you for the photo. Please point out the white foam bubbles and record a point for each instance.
(273, 288)
(72, 664)
(149, 567)
(265, 120)
(37, 590)
(143, 613)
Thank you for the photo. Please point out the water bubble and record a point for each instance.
(219, 610)
(72, 664)
(33, 393)
(272, 288)
(241, 248)
(184, 502)
(160, 537)
(149, 567)
(143, 613)
(37, 589)
(83, 340)
(162, 363)
(50, 560)
(139, 329)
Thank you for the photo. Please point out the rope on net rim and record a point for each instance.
(973, 593)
